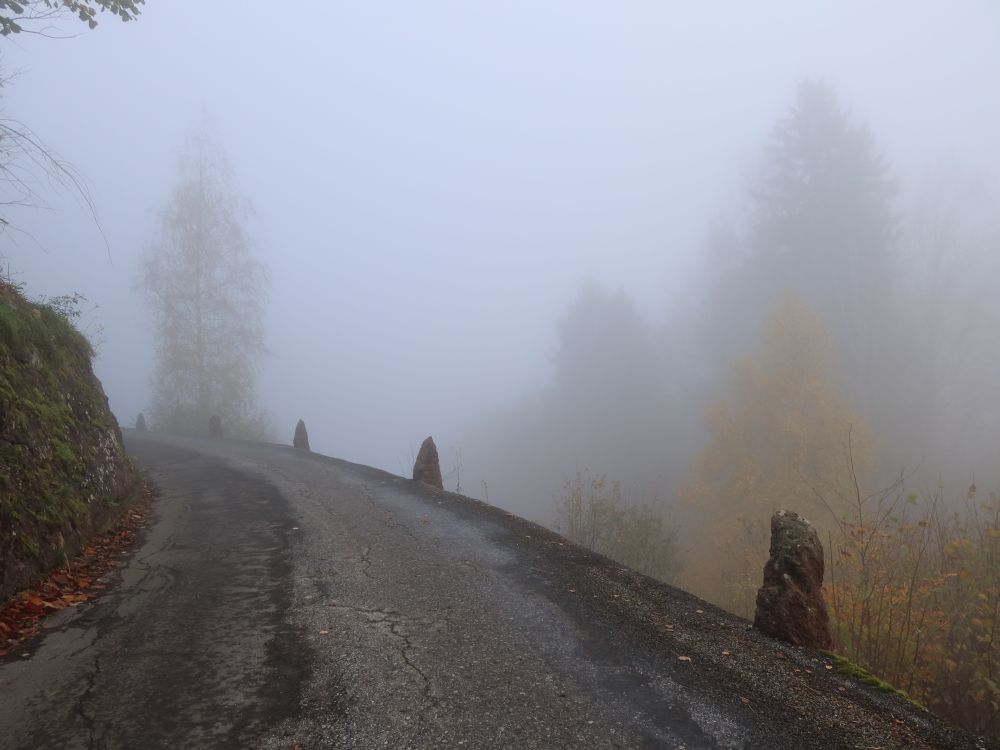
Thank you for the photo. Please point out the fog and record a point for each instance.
(439, 186)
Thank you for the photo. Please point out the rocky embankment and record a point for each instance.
(64, 473)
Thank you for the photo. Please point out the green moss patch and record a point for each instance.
(63, 468)
(843, 665)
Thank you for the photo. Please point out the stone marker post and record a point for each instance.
(427, 469)
(790, 604)
(301, 438)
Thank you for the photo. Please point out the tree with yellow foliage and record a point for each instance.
(782, 437)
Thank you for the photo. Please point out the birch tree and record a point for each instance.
(205, 290)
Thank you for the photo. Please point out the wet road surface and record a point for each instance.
(284, 599)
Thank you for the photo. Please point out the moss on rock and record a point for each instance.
(64, 473)
(843, 665)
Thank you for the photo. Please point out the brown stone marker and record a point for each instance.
(301, 438)
(790, 604)
(140, 423)
(427, 469)
(215, 426)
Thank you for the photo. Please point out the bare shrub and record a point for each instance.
(595, 514)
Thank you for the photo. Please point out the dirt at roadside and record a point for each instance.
(78, 581)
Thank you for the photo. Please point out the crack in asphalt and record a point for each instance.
(387, 516)
(366, 561)
(167, 545)
(81, 702)
(404, 651)
(394, 621)
(113, 601)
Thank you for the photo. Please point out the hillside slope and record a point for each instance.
(64, 473)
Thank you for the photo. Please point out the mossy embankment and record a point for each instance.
(64, 473)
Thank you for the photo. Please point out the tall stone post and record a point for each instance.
(427, 469)
(790, 604)
(301, 438)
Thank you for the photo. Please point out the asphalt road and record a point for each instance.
(283, 599)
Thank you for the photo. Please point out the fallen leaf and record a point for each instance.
(21, 617)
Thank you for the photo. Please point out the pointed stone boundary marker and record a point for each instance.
(215, 426)
(140, 423)
(301, 438)
(790, 604)
(427, 469)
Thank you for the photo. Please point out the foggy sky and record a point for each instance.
(434, 181)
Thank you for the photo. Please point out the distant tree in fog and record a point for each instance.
(602, 343)
(822, 226)
(825, 222)
(205, 291)
(821, 168)
(606, 406)
(778, 440)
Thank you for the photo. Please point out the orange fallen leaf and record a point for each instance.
(21, 616)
